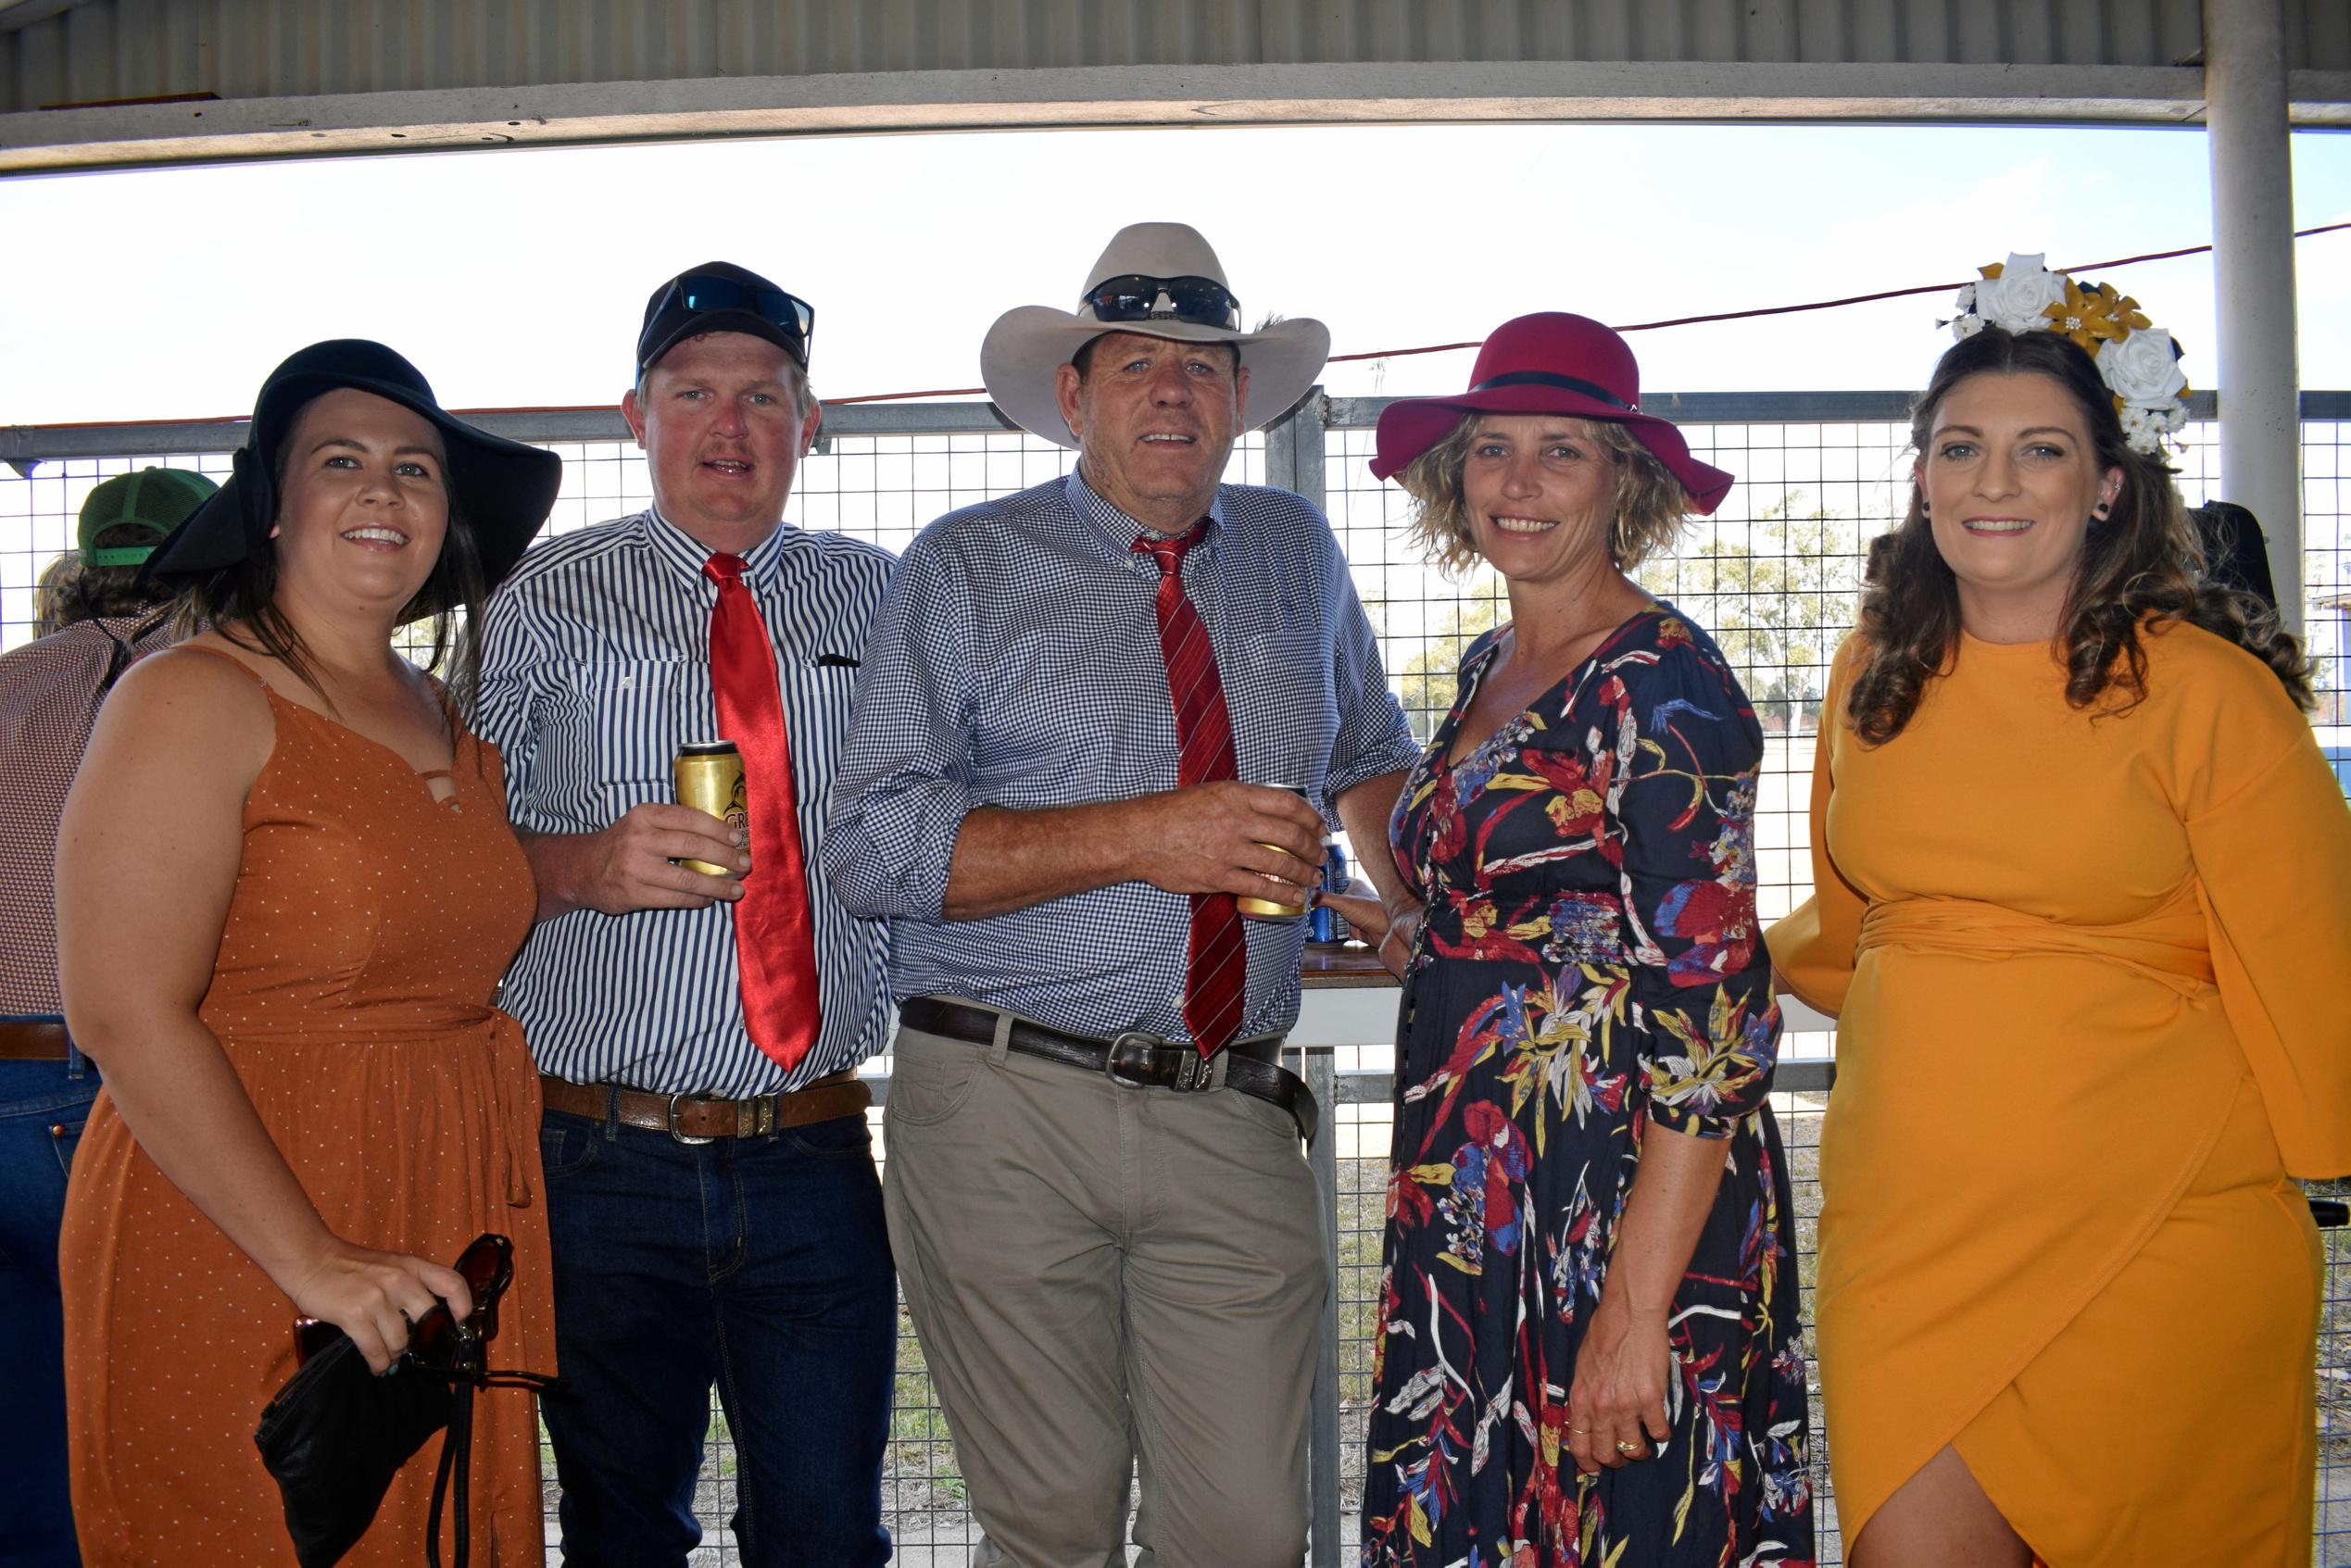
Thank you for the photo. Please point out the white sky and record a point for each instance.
(517, 277)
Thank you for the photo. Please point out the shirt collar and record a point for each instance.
(1119, 532)
(684, 553)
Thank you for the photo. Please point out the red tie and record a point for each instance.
(1216, 966)
(775, 949)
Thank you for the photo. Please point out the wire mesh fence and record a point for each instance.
(1773, 574)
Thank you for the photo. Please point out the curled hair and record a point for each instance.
(2144, 562)
(1652, 505)
(73, 588)
(240, 600)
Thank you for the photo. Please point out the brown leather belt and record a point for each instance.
(693, 1119)
(23, 1040)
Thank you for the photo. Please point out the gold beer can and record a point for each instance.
(1272, 909)
(710, 778)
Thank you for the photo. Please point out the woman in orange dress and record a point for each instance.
(2083, 909)
(286, 889)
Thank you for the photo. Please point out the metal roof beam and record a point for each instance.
(116, 135)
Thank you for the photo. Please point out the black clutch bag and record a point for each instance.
(337, 1434)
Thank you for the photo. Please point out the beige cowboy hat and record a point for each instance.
(1159, 280)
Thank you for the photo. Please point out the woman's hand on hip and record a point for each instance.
(1617, 1405)
(374, 1296)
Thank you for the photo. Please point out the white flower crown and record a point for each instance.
(2138, 363)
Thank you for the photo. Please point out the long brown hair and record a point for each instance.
(2144, 560)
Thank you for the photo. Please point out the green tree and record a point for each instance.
(1425, 684)
(1777, 603)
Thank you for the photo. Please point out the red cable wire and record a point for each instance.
(1689, 321)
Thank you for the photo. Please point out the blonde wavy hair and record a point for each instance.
(1652, 505)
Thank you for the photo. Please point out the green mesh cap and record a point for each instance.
(153, 500)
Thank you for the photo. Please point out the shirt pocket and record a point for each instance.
(629, 718)
(1279, 690)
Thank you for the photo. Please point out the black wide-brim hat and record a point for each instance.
(501, 489)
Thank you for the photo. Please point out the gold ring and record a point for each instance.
(1580, 1431)
(1629, 1448)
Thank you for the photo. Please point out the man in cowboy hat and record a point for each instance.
(711, 1192)
(1076, 707)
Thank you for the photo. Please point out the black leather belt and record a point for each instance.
(1135, 1058)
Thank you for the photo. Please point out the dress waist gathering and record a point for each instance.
(2169, 948)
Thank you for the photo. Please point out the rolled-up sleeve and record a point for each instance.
(1373, 739)
(904, 786)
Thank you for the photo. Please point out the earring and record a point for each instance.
(2098, 513)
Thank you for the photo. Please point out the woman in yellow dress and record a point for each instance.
(2083, 909)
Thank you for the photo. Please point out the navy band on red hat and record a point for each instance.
(1564, 383)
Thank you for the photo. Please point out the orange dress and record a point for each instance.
(363, 947)
(2089, 974)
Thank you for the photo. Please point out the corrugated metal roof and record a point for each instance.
(462, 64)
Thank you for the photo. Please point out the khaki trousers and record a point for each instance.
(1101, 1275)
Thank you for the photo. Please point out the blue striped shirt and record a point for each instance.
(1016, 663)
(595, 668)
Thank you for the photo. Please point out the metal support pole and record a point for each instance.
(1294, 448)
(1322, 1455)
(2245, 85)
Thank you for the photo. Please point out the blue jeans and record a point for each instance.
(43, 1105)
(761, 1264)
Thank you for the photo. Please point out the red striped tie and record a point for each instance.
(1217, 967)
(774, 946)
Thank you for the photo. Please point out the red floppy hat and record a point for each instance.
(1549, 363)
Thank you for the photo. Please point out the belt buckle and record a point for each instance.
(1130, 1052)
(687, 1138)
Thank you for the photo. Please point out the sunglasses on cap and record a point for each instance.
(789, 313)
(1204, 302)
(436, 1342)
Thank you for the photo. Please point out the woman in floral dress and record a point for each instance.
(1587, 1345)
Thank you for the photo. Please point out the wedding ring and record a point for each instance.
(1629, 1448)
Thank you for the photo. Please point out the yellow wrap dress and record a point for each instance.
(2088, 967)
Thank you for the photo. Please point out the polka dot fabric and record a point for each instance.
(361, 953)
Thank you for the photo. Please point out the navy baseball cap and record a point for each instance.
(718, 297)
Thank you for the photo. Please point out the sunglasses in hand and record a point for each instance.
(437, 1343)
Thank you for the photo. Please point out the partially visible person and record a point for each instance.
(1055, 786)
(2082, 910)
(93, 617)
(717, 1214)
(1588, 1349)
(286, 889)
(50, 590)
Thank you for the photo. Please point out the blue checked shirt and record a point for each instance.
(595, 668)
(1016, 663)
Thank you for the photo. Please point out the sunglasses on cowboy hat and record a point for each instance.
(1135, 297)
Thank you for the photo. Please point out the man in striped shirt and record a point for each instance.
(711, 1190)
(1055, 784)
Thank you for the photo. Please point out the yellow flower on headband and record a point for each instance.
(2094, 316)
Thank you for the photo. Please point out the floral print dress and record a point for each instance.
(1590, 963)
